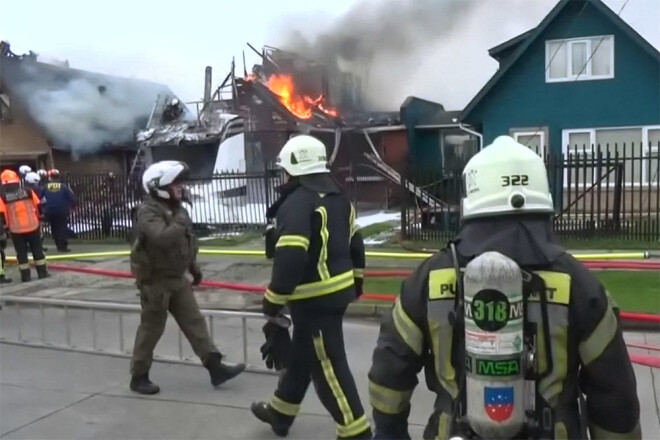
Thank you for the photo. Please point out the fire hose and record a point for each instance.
(640, 255)
(645, 360)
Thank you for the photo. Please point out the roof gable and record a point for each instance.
(524, 41)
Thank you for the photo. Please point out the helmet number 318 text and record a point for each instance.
(515, 180)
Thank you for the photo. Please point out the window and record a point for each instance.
(626, 146)
(579, 59)
(457, 148)
(534, 138)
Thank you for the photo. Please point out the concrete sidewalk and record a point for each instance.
(50, 394)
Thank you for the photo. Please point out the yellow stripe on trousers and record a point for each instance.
(332, 380)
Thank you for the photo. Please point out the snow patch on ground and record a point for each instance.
(379, 217)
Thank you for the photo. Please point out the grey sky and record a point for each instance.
(172, 43)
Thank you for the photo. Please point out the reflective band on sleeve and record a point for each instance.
(325, 287)
(598, 433)
(353, 224)
(332, 381)
(358, 273)
(324, 273)
(293, 240)
(591, 348)
(276, 298)
(286, 408)
(387, 400)
(354, 428)
(406, 328)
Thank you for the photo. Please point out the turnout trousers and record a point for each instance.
(29, 242)
(318, 356)
(58, 230)
(158, 296)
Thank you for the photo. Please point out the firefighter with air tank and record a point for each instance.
(318, 267)
(516, 337)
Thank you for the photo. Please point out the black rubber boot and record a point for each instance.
(4, 279)
(42, 272)
(25, 275)
(221, 373)
(266, 414)
(142, 385)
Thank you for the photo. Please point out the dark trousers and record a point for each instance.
(58, 230)
(158, 297)
(319, 356)
(31, 241)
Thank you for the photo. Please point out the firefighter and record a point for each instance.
(59, 201)
(164, 250)
(21, 207)
(506, 208)
(318, 265)
(3, 246)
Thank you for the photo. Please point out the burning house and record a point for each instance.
(287, 94)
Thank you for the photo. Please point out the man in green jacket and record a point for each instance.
(163, 250)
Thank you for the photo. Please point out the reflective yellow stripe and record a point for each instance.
(444, 370)
(591, 348)
(40, 262)
(325, 287)
(387, 400)
(24, 266)
(358, 273)
(558, 287)
(598, 433)
(442, 284)
(406, 328)
(276, 298)
(293, 240)
(332, 380)
(560, 431)
(443, 427)
(354, 428)
(353, 225)
(286, 408)
(324, 273)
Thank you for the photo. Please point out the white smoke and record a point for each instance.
(83, 112)
(434, 49)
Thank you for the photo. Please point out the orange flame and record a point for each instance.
(301, 106)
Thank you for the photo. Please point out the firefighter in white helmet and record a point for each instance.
(318, 265)
(579, 350)
(164, 250)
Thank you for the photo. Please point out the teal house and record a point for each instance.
(582, 77)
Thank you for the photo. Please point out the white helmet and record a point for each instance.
(159, 175)
(42, 173)
(24, 169)
(505, 178)
(32, 178)
(302, 155)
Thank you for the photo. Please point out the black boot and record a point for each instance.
(142, 384)
(25, 275)
(42, 272)
(266, 414)
(4, 279)
(220, 372)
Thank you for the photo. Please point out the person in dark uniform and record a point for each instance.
(318, 266)
(507, 208)
(163, 251)
(59, 201)
(3, 246)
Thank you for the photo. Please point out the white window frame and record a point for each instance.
(570, 150)
(586, 74)
(540, 131)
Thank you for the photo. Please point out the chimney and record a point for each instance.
(207, 85)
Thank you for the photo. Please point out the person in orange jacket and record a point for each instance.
(20, 207)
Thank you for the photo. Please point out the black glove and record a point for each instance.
(196, 273)
(358, 287)
(276, 351)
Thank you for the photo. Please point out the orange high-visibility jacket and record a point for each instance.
(21, 211)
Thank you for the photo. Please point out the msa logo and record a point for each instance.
(505, 367)
(515, 180)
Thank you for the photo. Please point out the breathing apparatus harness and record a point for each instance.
(540, 416)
